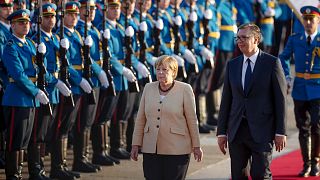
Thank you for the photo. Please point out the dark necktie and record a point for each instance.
(247, 77)
(309, 40)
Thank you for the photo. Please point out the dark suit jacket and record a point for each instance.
(265, 103)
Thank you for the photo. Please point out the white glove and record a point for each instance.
(103, 79)
(42, 48)
(85, 86)
(129, 31)
(65, 91)
(42, 97)
(208, 14)
(143, 26)
(129, 74)
(179, 60)
(152, 60)
(193, 16)
(88, 41)
(142, 69)
(189, 56)
(206, 53)
(159, 24)
(65, 43)
(269, 12)
(235, 29)
(177, 20)
(105, 33)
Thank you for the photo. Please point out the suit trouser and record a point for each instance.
(165, 167)
(242, 148)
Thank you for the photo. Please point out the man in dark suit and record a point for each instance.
(253, 107)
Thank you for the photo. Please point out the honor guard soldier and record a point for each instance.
(121, 75)
(87, 112)
(133, 101)
(305, 47)
(6, 8)
(80, 85)
(21, 95)
(43, 122)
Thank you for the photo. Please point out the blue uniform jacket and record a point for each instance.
(305, 56)
(5, 35)
(95, 51)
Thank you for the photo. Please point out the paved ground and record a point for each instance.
(214, 166)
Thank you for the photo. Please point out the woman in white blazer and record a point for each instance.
(166, 127)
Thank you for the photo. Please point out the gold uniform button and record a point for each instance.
(307, 54)
(307, 62)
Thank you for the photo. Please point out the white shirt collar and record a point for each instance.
(5, 25)
(46, 33)
(113, 23)
(71, 30)
(312, 35)
(252, 58)
(23, 41)
(88, 23)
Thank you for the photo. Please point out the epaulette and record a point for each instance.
(31, 41)
(150, 17)
(57, 36)
(10, 42)
(120, 26)
(77, 32)
(97, 31)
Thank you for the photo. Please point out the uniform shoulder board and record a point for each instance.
(150, 17)
(31, 40)
(57, 36)
(10, 42)
(77, 32)
(97, 31)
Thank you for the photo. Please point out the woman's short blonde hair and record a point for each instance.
(169, 61)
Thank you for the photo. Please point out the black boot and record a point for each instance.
(97, 138)
(106, 146)
(14, 162)
(57, 161)
(115, 140)
(80, 161)
(2, 150)
(315, 155)
(305, 145)
(36, 172)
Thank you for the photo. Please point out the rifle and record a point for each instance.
(205, 23)
(63, 72)
(41, 81)
(156, 50)
(87, 60)
(110, 91)
(190, 24)
(133, 86)
(182, 74)
(143, 47)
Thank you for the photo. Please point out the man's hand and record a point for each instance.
(223, 144)
(280, 142)
(198, 154)
(134, 152)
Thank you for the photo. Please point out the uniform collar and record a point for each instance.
(7, 26)
(23, 41)
(312, 35)
(113, 23)
(46, 33)
(71, 30)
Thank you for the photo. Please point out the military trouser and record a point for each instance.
(307, 115)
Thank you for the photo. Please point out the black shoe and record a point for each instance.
(38, 177)
(71, 173)
(115, 160)
(82, 166)
(305, 172)
(204, 130)
(2, 163)
(61, 174)
(314, 170)
(102, 160)
(119, 153)
(97, 167)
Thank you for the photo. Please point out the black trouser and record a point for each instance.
(19, 122)
(278, 28)
(307, 114)
(220, 67)
(165, 167)
(65, 118)
(242, 148)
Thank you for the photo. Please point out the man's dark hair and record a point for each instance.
(253, 28)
